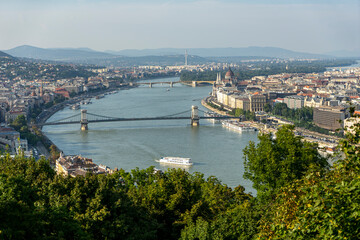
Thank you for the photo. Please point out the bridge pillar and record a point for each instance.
(195, 116)
(194, 84)
(150, 85)
(171, 84)
(83, 120)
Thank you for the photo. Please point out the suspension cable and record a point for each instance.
(171, 115)
(60, 120)
(96, 115)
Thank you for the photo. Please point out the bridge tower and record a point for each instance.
(194, 116)
(83, 120)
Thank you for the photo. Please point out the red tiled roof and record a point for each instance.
(6, 129)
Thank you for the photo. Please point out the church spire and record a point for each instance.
(218, 78)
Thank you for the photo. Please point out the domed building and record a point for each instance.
(229, 74)
(230, 79)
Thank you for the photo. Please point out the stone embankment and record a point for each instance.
(205, 102)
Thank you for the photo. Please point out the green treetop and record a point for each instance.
(276, 162)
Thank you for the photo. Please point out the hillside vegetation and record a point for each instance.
(299, 196)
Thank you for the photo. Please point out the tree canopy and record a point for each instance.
(277, 161)
(321, 205)
(141, 204)
(20, 125)
(299, 197)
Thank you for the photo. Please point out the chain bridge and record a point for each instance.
(84, 118)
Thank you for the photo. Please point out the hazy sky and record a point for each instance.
(313, 26)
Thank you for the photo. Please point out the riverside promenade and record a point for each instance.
(205, 102)
(47, 113)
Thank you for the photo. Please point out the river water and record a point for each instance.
(215, 151)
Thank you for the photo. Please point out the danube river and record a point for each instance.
(215, 151)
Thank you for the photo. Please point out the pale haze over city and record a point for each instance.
(310, 26)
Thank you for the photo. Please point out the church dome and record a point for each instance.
(229, 74)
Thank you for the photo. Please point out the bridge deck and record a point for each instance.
(132, 119)
(148, 83)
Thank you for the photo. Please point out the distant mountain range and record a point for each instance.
(222, 52)
(162, 56)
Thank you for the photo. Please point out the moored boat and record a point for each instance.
(237, 126)
(75, 107)
(100, 96)
(212, 114)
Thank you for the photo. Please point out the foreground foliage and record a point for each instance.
(279, 160)
(35, 203)
(316, 207)
(300, 199)
(319, 206)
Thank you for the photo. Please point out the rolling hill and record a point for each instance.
(161, 56)
(2, 54)
(56, 54)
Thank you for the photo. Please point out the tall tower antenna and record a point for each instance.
(41, 88)
(186, 56)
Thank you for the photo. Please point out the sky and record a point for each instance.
(316, 26)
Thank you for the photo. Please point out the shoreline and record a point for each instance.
(52, 110)
(204, 103)
(47, 113)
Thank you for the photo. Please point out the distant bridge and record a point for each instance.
(171, 84)
(83, 120)
(196, 83)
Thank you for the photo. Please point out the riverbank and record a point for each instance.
(204, 102)
(324, 141)
(44, 146)
(47, 113)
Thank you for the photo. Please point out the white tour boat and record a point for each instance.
(176, 160)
